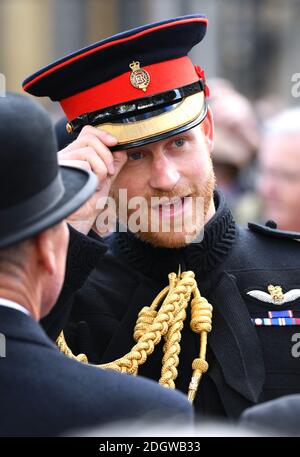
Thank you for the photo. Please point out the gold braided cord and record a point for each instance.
(166, 321)
(64, 348)
(201, 322)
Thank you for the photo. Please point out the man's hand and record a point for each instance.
(90, 151)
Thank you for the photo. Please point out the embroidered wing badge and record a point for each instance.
(275, 295)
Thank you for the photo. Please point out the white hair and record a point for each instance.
(286, 122)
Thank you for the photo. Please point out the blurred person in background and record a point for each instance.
(235, 145)
(278, 182)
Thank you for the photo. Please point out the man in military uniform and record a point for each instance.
(141, 88)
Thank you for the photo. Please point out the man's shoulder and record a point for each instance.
(268, 234)
(270, 230)
(267, 245)
(65, 379)
(74, 394)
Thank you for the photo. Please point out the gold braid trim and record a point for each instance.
(167, 322)
(64, 348)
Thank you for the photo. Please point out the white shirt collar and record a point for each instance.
(13, 305)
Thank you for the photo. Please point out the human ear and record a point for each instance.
(46, 251)
(208, 129)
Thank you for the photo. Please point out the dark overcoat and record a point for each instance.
(44, 393)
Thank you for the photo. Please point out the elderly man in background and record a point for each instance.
(279, 170)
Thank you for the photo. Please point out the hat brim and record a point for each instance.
(185, 115)
(79, 187)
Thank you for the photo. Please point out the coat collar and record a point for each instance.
(17, 325)
(202, 257)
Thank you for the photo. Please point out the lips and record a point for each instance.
(170, 207)
(169, 203)
(166, 201)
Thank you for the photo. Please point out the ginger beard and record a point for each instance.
(171, 216)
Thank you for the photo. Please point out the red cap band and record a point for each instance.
(164, 76)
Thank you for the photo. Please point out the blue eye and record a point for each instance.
(179, 142)
(135, 156)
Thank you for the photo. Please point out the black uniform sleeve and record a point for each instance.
(83, 254)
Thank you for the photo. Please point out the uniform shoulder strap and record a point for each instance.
(270, 229)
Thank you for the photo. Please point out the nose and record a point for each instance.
(164, 174)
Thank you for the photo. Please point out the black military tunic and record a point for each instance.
(248, 364)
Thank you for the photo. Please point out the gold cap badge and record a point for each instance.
(139, 78)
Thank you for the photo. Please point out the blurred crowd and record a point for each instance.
(256, 157)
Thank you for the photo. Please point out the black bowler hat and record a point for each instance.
(35, 193)
(138, 85)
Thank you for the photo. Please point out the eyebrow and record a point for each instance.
(147, 147)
